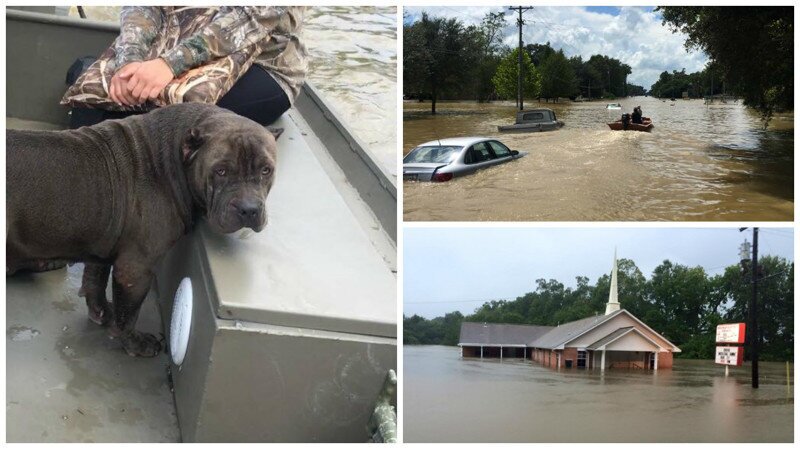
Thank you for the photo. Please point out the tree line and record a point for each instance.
(707, 82)
(752, 47)
(443, 58)
(683, 303)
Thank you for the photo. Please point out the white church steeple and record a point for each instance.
(613, 302)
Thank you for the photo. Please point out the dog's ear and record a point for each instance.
(276, 132)
(191, 143)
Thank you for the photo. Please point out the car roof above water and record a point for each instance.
(455, 141)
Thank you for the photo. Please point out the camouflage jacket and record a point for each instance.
(216, 32)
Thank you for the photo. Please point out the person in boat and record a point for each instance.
(248, 59)
(636, 117)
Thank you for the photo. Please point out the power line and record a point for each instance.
(459, 301)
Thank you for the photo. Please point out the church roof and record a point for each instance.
(565, 333)
(489, 334)
(569, 331)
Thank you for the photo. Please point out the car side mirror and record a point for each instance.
(514, 152)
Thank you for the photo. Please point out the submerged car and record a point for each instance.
(445, 159)
(534, 120)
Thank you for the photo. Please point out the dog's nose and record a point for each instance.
(248, 212)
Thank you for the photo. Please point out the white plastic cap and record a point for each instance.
(181, 324)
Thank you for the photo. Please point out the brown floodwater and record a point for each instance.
(700, 162)
(446, 399)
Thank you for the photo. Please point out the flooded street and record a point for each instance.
(699, 163)
(447, 399)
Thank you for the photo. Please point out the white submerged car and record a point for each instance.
(445, 159)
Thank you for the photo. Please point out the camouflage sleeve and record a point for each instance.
(233, 28)
(139, 26)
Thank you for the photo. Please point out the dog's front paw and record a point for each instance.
(140, 344)
(101, 315)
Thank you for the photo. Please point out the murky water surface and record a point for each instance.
(447, 399)
(700, 162)
(353, 63)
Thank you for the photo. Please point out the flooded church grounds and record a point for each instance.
(447, 399)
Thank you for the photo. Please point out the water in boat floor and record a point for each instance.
(67, 381)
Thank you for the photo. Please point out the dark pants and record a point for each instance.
(256, 95)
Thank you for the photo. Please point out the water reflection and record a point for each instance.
(699, 163)
(447, 399)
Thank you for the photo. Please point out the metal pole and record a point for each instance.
(519, 72)
(754, 311)
(520, 22)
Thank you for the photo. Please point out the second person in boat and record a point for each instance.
(636, 117)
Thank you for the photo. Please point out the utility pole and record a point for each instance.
(520, 22)
(755, 341)
(754, 310)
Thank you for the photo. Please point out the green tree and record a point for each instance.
(490, 36)
(505, 78)
(752, 46)
(681, 295)
(438, 54)
(452, 328)
(776, 304)
(558, 77)
(539, 52)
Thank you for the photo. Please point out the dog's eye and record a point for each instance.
(220, 171)
(266, 171)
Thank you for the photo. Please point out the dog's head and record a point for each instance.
(231, 167)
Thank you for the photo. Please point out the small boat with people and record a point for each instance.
(619, 125)
(533, 120)
(627, 123)
(632, 122)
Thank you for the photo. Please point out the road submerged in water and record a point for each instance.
(700, 163)
(447, 399)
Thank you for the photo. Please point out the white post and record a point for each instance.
(461, 351)
(481, 351)
(501, 353)
(655, 361)
(726, 370)
(603, 360)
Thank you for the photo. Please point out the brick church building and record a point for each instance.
(615, 340)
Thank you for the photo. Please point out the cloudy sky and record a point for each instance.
(447, 269)
(632, 34)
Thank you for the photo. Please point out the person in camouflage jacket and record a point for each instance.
(247, 59)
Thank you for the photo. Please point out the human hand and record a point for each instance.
(118, 90)
(149, 80)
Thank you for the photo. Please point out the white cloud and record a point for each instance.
(635, 36)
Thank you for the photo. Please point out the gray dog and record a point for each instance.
(122, 192)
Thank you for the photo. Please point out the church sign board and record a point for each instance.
(729, 355)
(731, 333)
